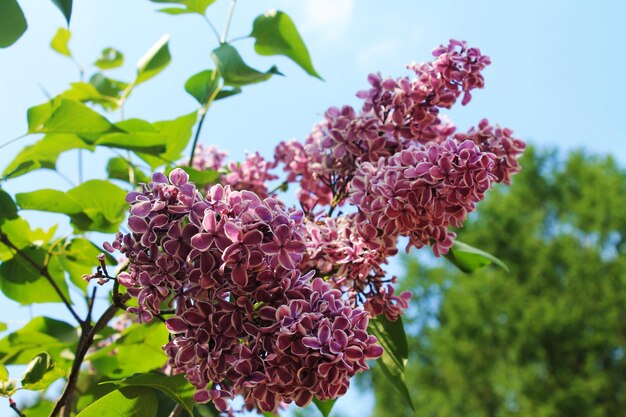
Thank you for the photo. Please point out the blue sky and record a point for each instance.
(554, 78)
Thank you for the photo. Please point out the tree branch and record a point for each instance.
(44, 272)
(86, 339)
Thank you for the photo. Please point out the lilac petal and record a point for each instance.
(202, 241)
(137, 224)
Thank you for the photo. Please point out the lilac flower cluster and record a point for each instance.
(404, 169)
(247, 320)
(252, 174)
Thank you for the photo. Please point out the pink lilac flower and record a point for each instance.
(248, 321)
(423, 190)
(208, 157)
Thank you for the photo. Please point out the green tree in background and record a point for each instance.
(549, 337)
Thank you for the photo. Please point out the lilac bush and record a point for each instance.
(272, 302)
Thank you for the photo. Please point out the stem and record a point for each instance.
(44, 272)
(86, 339)
(239, 38)
(278, 187)
(204, 111)
(229, 19)
(217, 34)
(177, 411)
(13, 140)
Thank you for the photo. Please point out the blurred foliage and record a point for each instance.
(547, 339)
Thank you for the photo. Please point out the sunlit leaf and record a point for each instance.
(125, 402)
(189, 6)
(138, 350)
(23, 282)
(60, 42)
(235, 71)
(176, 387)
(4, 374)
(470, 259)
(40, 372)
(3, 326)
(43, 154)
(120, 169)
(138, 136)
(203, 84)
(103, 206)
(276, 34)
(48, 200)
(109, 59)
(154, 61)
(392, 338)
(12, 23)
(67, 116)
(178, 133)
(41, 333)
(66, 8)
(324, 407)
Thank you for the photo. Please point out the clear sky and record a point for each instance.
(554, 77)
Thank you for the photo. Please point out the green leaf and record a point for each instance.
(4, 373)
(470, 259)
(107, 86)
(43, 154)
(154, 61)
(190, 6)
(205, 410)
(96, 205)
(138, 350)
(66, 8)
(42, 408)
(392, 338)
(103, 203)
(109, 59)
(178, 133)
(22, 282)
(140, 136)
(54, 201)
(125, 402)
(3, 326)
(67, 116)
(276, 34)
(12, 22)
(41, 333)
(202, 85)
(40, 373)
(234, 71)
(120, 169)
(176, 387)
(8, 209)
(325, 407)
(60, 42)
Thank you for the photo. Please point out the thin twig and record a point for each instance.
(13, 405)
(229, 19)
(177, 411)
(204, 111)
(217, 34)
(13, 140)
(44, 272)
